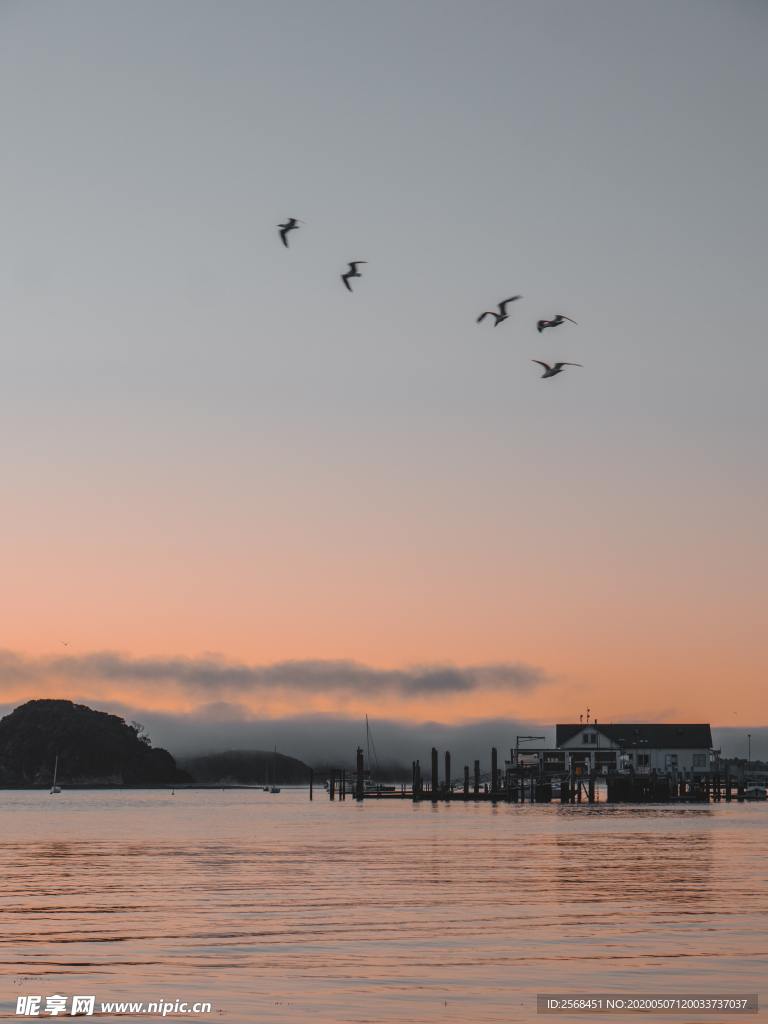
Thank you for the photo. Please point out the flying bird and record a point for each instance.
(550, 371)
(352, 272)
(65, 642)
(290, 225)
(502, 314)
(542, 324)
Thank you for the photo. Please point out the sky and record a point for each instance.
(239, 493)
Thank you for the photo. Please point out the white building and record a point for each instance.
(639, 748)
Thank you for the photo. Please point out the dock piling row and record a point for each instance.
(522, 782)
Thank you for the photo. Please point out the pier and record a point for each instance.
(542, 776)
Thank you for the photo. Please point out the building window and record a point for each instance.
(699, 760)
(643, 760)
(588, 737)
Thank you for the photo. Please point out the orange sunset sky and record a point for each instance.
(216, 460)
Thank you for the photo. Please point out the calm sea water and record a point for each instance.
(280, 910)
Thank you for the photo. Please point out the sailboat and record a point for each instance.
(369, 784)
(273, 788)
(54, 787)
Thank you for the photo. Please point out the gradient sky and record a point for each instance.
(212, 452)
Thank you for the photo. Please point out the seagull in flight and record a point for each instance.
(550, 371)
(542, 324)
(352, 272)
(290, 225)
(65, 642)
(502, 314)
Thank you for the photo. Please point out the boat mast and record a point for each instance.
(371, 745)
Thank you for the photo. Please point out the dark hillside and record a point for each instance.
(93, 747)
(247, 767)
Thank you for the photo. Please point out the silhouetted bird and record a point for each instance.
(550, 371)
(502, 314)
(352, 272)
(290, 225)
(542, 324)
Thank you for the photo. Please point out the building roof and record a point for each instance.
(656, 737)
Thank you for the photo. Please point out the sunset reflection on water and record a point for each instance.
(278, 909)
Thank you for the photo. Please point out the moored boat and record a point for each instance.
(54, 787)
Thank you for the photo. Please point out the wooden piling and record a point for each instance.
(543, 792)
(311, 780)
(477, 778)
(359, 774)
(494, 770)
(466, 781)
(447, 771)
(434, 773)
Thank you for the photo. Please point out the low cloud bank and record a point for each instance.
(320, 738)
(212, 675)
(333, 738)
